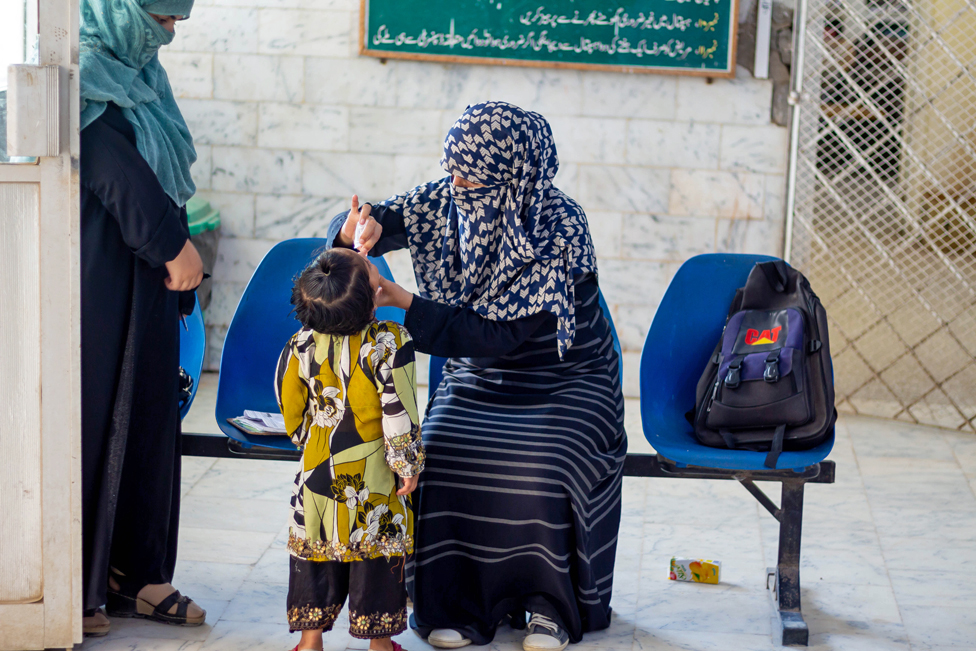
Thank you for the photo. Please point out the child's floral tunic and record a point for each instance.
(350, 403)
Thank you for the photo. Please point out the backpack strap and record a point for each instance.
(776, 447)
(777, 273)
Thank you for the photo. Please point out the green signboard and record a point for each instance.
(671, 36)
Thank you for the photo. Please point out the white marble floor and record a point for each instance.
(888, 562)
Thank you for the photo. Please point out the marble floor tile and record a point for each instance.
(931, 551)
(946, 523)
(691, 607)
(820, 641)
(221, 546)
(209, 580)
(929, 627)
(241, 484)
(876, 438)
(243, 636)
(933, 587)
(258, 603)
(738, 548)
(115, 642)
(272, 569)
(672, 640)
(148, 632)
(853, 611)
(233, 514)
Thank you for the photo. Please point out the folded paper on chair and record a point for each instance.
(695, 570)
(259, 422)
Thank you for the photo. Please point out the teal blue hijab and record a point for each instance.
(119, 64)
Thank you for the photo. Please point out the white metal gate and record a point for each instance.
(883, 200)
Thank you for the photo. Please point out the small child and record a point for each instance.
(345, 386)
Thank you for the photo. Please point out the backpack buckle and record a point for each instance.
(771, 373)
(733, 378)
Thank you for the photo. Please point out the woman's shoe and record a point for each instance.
(94, 623)
(544, 635)
(447, 638)
(122, 604)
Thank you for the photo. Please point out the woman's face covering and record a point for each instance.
(167, 22)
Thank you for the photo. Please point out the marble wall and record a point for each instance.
(289, 122)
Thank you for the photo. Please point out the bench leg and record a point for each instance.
(787, 572)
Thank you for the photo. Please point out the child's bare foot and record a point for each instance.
(384, 644)
(311, 640)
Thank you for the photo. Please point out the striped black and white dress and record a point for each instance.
(520, 504)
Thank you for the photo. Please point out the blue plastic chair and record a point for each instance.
(436, 366)
(193, 346)
(261, 327)
(681, 340)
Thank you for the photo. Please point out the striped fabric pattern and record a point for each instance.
(521, 495)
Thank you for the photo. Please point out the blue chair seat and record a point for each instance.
(193, 346)
(682, 337)
(261, 327)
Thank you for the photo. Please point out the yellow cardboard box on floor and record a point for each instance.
(695, 570)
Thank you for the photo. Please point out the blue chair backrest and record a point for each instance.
(682, 337)
(193, 346)
(261, 327)
(436, 367)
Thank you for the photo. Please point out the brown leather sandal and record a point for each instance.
(91, 627)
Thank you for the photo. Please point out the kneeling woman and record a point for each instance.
(520, 503)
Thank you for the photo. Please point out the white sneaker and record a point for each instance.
(447, 638)
(544, 635)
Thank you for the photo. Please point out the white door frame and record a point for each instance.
(43, 430)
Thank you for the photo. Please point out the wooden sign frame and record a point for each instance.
(727, 73)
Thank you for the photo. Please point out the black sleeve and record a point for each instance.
(448, 331)
(113, 169)
(394, 235)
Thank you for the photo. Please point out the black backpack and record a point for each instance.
(769, 384)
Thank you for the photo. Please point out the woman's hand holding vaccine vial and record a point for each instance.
(361, 231)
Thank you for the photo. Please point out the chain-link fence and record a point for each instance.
(884, 201)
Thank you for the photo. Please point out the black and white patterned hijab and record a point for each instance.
(512, 248)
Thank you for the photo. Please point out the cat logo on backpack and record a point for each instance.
(754, 338)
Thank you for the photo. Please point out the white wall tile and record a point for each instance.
(544, 90)
(254, 77)
(201, 169)
(623, 95)
(312, 33)
(236, 212)
(371, 176)
(634, 282)
(589, 140)
(755, 149)
(280, 217)
(239, 169)
(624, 189)
(567, 178)
(237, 258)
(223, 303)
(363, 81)
(413, 131)
(606, 229)
(304, 126)
(632, 323)
(653, 237)
(661, 143)
(440, 86)
(631, 364)
(411, 171)
(218, 29)
(749, 236)
(220, 123)
(775, 205)
(723, 194)
(190, 74)
(742, 100)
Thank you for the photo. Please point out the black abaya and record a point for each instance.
(130, 359)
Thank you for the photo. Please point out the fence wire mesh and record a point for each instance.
(885, 202)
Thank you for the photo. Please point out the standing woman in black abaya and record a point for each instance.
(138, 272)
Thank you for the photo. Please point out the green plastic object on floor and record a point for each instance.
(201, 216)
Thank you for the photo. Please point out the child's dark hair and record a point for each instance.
(333, 295)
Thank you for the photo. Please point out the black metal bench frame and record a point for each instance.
(785, 585)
